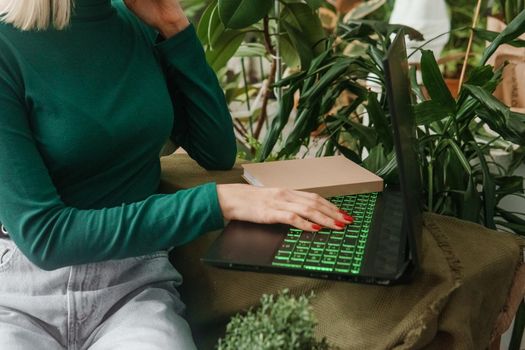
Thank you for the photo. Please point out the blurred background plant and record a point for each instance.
(304, 78)
(308, 82)
(461, 13)
(507, 10)
(248, 43)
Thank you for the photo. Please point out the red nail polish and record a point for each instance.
(316, 227)
(348, 218)
(343, 212)
(339, 224)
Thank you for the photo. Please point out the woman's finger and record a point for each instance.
(292, 219)
(312, 214)
(318, 202)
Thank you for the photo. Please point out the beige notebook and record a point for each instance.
(326, 176)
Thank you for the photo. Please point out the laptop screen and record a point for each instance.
(403, 125)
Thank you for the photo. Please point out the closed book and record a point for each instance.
(326, 176)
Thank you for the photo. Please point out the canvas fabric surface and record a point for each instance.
(458, 301)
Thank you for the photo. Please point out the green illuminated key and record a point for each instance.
(318, 268)
(341, 270)
(300, 260)
(299, 256)
(286, 258)
(328, 260)
(301, 250)
(282, 264)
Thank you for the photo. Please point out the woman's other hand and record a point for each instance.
(306, 211)
(167, 16)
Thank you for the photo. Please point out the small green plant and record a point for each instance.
(282, 322)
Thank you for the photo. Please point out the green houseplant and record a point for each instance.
(460, 177)
(285, 32)
(508, 9)
(282, 35)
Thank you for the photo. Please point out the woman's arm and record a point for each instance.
(202, 121)
(53, 234)
(202, 125)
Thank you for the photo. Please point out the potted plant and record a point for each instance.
(510, 91)
(287, 32)
(460, 176)
(282, 321)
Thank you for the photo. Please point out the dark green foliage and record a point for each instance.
(513, 30)
(225, 23)
(460, 176)
(282, 322)
(509, 9)
(239, 14)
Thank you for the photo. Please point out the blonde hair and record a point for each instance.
(36, 14)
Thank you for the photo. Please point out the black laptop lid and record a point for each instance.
(404, 127)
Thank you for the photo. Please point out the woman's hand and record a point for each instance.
(306, 211)
(166, 16)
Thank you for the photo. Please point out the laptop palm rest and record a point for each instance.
(245, 243)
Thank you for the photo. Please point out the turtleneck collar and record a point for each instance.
(92, 9)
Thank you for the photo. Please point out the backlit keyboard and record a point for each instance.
(331, 250)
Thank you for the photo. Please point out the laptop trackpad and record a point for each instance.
(247, 243)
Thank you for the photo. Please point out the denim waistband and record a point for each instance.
(3, 232)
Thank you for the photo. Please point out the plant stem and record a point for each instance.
(261, 68)
(247, 96)
(245, 84)
(469, 46)
(270, 79)
(278, 73)
(240, 128)
(243, 136)
(430, 185)
(266, 97)
(267, 38)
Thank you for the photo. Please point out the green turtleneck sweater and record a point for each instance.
(84, 113)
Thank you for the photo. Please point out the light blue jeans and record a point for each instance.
(119, 304)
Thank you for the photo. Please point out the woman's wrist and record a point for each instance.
(222, 195)
(173, 26)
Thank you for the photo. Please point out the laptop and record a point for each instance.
(382, 245)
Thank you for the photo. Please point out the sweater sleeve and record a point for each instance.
(203, 124)
(52, 234)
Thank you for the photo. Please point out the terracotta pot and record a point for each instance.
(511, 90)
(453, 86)
(343, 6)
